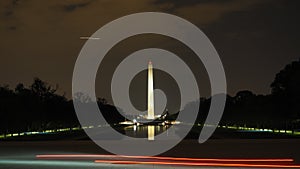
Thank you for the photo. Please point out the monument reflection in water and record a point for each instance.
(144, 131)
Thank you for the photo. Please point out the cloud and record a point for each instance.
(71, 7)
(181, 3)
(12, 27)
(41, 38)
(209, 12)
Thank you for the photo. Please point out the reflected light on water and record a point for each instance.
(151, 133)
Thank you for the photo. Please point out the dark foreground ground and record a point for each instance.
(19, 154)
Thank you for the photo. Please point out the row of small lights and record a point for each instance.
(46, 131)
(291, 132)
(261, 130)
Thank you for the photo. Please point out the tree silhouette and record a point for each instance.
(287, 81)
(39, 107)
(6, 97)
(35, 108)
(286, 90)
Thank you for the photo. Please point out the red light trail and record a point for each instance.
(56, 156)
(208, 162)
(199, 164)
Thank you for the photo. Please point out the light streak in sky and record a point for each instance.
(88, 38)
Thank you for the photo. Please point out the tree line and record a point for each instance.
(278, 110)
(39, 107)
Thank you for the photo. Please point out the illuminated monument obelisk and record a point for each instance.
(150, 115)
(150, 92)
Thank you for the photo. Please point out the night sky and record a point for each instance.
(254, 38)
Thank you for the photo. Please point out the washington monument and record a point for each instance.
(150, 92)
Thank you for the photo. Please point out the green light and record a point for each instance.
(76, 128)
